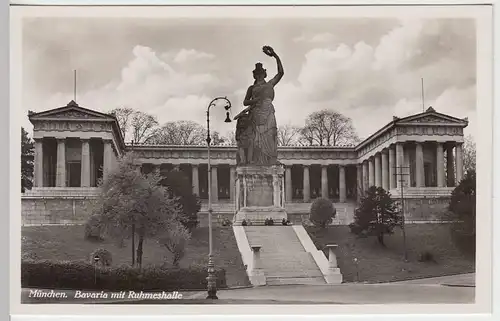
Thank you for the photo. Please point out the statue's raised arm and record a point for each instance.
(271, 53)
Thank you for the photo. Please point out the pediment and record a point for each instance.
(71, 111)
(432, 118)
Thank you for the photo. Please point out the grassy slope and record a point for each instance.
(378, 264)
(67, 243)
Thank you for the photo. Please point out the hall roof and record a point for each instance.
(72, 111)
(430, 117)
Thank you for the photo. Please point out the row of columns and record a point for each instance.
(215, 184)
(195, 180)
(306, 183)
(108, 162)
(389, 168)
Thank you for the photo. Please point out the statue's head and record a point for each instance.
(259, 72)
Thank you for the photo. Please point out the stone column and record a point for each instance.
(107, 158)
(332, 258)
(215, 184)
(333, 275)
(306, 188)
(85, 168)
(195, 179)
(407, 170)
(419, 165)
(399, 165)
(324, 181)
(459, 159)
(365, 176)
(371, 173)
(61, 163)
(440, 164)
(342, 186)
(450, 166)
(385, 171)
(288, 183)
(38, 172)
(359, 180)
(232, 182)
(392, 168)
(257, 276)
(276, 190)
(378, 168)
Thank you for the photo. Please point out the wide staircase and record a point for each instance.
(282, 256)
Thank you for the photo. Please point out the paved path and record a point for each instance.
(353, 294)
(468, 279)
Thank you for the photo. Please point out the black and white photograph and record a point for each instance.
(252, 155)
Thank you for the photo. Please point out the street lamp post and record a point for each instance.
(211, 279)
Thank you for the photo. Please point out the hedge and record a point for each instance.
(78, 275)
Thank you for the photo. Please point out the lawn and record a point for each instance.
(67, 243)
(379, 264)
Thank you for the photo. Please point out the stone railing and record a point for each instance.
(62, 192)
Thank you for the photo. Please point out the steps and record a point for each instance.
(282, 256)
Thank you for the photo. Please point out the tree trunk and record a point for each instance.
(380, 238)
(139, 250)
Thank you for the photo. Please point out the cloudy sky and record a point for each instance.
(368, 69)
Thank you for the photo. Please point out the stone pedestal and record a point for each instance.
(333, 276)
(257, 276)
(260, 194)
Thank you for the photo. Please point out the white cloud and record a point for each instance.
(146, 83)
(398, 45)
(367, 81)
(324, 37)
(372, 84)
(188, 55)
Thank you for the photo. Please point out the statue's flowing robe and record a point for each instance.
(265, 143)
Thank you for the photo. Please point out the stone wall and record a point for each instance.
(44, 211)
(75, 210)
(427, 209)
(38, 211)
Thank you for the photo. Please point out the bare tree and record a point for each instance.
(183, 132)
(287, 135)
(329, 128)
(144, 126)
(123, 115)
(306, 136)
(469, 154)
(217, 138)
(231, 138)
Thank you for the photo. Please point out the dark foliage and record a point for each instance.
(463, 211)
(179, 185)
(84, 276)
(376, 216)
(322, 212)
(27, 161)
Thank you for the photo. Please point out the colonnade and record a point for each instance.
(42, 161)
(403, 163)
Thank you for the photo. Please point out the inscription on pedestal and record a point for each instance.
(259, 194)
(260, 190)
